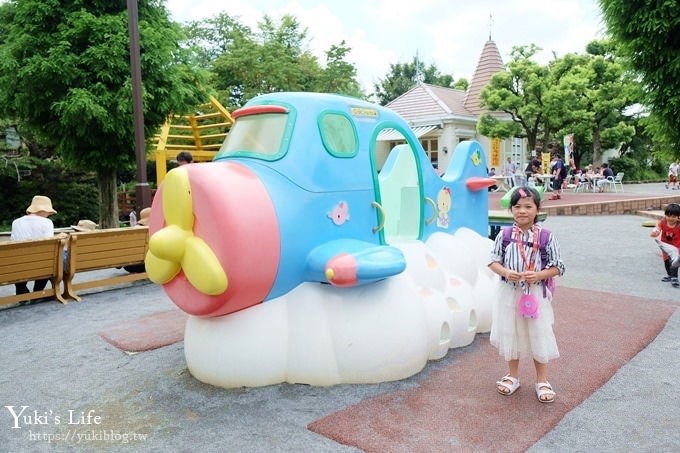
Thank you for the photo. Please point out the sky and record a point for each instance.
(447, 33)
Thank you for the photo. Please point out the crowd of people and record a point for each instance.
(534, 171)
(594, 178)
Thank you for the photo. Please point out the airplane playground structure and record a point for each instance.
(301, 259)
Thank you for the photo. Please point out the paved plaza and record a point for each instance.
(80, 393)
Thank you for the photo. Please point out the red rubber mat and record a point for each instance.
(457, 408)
(148, 332)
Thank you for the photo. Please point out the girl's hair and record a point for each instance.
(672, 209)
(527, 192)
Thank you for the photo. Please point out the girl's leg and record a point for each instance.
(673, 272)
(541, 371)
(548, 395)
(513, 371)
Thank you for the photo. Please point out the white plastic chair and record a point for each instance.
(581, 184)
(611, 182)
(606, 184)
(618, 179)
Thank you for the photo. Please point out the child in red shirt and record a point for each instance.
(668, 231)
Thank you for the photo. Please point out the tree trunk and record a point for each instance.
(531, 141)
(597, 147)
(108, 199)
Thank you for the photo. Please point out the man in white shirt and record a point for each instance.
(34, 225)
(509, 172)
(673, 169)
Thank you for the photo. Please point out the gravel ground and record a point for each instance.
(54, 363)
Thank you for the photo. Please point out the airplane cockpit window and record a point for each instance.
(260, 135)
(338, 134)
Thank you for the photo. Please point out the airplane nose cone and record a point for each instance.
(214, 242)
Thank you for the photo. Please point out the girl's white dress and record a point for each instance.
(513, 335)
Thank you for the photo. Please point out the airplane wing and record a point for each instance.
(350, 262)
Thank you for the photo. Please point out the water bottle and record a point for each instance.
(133, 219)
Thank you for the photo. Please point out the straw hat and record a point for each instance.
(85, 225)
(144, 216)
(40, 203)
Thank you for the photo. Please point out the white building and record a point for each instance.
(443, 117)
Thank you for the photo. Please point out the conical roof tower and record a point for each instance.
(490, 63)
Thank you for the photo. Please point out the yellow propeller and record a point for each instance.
(175, 247)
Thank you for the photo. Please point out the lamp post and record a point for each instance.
(142, 192)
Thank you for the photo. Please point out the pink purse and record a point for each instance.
(528, 306)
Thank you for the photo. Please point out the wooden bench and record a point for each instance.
(36, 259)
(104, 249)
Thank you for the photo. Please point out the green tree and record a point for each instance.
(211, 37)
(65, 72)
(649, 35)
(244, 63)
(646, 162)
(339, 76)
(639, 157)
(519, 93)
(582, 94)
(270, 60)
(461, 84)
(588, 96)
(404, 76)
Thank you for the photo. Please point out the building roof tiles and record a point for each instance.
(425, 102)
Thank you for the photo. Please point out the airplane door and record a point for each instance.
(398, 191)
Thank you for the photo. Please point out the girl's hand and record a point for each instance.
(655, 232)
(531, 277)
(513, 276)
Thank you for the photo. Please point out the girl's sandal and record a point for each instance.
(545, 392)
(507, 385)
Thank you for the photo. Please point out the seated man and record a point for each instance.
(83, 226)
(492, 172)
(606, 173)
(36, 224)
(580, 178)
(533, 168)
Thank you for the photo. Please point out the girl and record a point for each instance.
(668, 231)
(525, 276)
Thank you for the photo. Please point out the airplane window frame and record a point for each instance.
(334, 135)
(245, 137)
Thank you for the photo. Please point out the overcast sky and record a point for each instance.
(447, 33)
